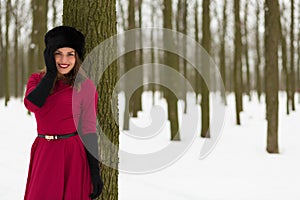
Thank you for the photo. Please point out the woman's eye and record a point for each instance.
(57, 53)
(71, 54)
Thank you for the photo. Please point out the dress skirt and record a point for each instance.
(58, 170)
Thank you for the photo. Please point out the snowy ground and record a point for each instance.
(237, 169)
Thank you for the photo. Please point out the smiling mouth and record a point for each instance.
(64, 66)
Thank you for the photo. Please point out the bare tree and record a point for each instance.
(2, 83)
(54, 18)
(272, 36)
(292, 59)
(181, 26)
(285, 71)
(15, 15)
(197, 85)
(130, 62)
(238, 81)
(170, 61)
(6, 57)
(103, 12)
(222, 51)
(39, 28)
(136, 98)
(246, 51)
(206, 43)
(298, 63)
(258, 86)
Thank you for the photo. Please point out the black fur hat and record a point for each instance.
(65, 36)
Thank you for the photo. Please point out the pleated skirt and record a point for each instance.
(58, 170)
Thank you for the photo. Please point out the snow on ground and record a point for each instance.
(238, 168)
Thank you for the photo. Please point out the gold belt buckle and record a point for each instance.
(50, 137)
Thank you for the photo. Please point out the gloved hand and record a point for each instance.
(39, 95)
(50, 60)
(90, 141)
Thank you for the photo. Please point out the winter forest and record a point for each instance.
(250, 88)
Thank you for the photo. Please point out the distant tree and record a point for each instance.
(181, 26)
(258, 86)
(246, 49)
(17, 27)
(153, 57)
(169, 60)
(272, 37)
(298, 62)
(285, 71)
(223, 51)
(103, 12)
(197, 86)
(292, 59)
(1, 57)
(206, 43)
(38, 30)
(238, 80)
(6, 57)
(129, 62)
(136, 98)
(54, 17)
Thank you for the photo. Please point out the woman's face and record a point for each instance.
(65, 60)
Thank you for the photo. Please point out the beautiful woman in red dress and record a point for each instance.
(61, 167)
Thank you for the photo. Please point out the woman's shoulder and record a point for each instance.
(88, 87)
(36, 76)
(88, 83)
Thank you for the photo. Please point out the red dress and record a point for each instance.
(59, 169)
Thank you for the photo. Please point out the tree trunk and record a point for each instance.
(292, 70)
(54, 18)
(298, 64)
(258, 54)
(6, 57)
(16, 50)
(184, 43)
(130, 62)
(39, 28)
(1, 59)
(222, 52)
(170, 60)
(197, 76)
(181, 26)
(272, 32)
(23, 70)
(103, 12)
(237, 61)
(137, 95)
(153, 86)
(206, 43)
(246, 52)
(283, 32)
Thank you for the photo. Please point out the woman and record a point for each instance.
(60, 165)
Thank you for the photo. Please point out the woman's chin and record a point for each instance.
(63, 71)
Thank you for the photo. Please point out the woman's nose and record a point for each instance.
(64, 58)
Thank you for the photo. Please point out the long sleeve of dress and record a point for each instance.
(89, 108)
(32, 83)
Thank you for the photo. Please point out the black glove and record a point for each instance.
(90, 141)
(39, 95)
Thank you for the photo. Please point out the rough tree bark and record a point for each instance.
(258, 54)
(206, 43)
(238, 81)
(169, 60)
(97, 20)
(272, 37)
